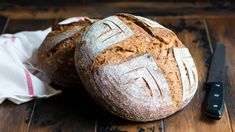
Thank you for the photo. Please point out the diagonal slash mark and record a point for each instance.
(158, 87)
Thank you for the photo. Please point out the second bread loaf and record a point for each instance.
(56, 54)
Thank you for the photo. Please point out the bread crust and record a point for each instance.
(56, 54)
(133, 83)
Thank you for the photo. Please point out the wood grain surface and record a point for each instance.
(78, 2)
(74, 110)
(110, 123)
(3, 21)
(97, 9)
(223, 30)
(14, 26)
(15, 117)
(71, 111)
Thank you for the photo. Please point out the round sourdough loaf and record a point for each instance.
(56, 54)
(135, 68)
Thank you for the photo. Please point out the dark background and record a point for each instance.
(45, 9)
(79, 2)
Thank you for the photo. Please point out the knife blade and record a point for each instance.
(216, 84)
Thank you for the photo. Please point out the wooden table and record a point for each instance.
(75, 111)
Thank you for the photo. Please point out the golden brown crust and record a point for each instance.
(135, 67)
(158, 42)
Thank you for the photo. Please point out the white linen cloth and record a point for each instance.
(20, 80)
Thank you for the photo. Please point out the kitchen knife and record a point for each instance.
(216, 84)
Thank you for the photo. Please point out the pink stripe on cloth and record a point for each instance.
(29, 83)
(13, 39)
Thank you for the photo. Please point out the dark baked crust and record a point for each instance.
(56, 54)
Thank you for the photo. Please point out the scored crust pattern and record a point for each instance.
(135, 88)
(141, 78)
(150, 22)
(111, 31)
(186, 67)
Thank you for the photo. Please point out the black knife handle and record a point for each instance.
(215, 100)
